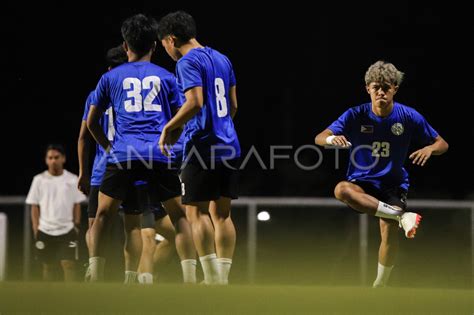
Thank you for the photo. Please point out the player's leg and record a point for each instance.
(46, 251)
(183, 239)
(132, 245)
(145, 268)
(168, 188)
(199, 185)
(69, 270)
(387, 251)
(166, 248)
(389, 243)
(203, 235)
(92, 210)
(113, 191)
(107, 208)
(225, 235)
(91, 213)
(355, 197)
(68, 254)
(50, 271)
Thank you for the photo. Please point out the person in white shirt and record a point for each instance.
(55, 215)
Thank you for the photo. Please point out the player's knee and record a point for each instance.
(343, 191)
(192, 214)
(102, 215)
(222, 214)
(148, 237)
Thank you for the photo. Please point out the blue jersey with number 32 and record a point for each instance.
(211, 131)
(380, 145)
(143, 96)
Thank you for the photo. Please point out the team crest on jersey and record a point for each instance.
(397, 129)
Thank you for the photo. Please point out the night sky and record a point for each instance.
(297, 70)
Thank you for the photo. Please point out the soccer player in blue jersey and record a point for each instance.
(89, 183)
(143, 97)
(379, 134)
(209, 176)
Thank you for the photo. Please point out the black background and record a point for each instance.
(298, 68)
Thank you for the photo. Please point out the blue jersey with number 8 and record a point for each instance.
(211, 131)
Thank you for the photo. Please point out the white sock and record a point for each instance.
(387, 211)
(210, 269)
(96, 268)
(383, 273)
(145, 278)
(189, 270)
(224, 265)
(130, 277)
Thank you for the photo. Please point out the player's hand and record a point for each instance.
(84, 184)
(421, 156)
(340, 141)
(165, 142)
(175, 135)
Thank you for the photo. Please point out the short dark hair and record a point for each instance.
(116, 56)
(55, 147)
(140, 33)
(179, 24)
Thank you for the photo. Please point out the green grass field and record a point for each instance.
(113, 298)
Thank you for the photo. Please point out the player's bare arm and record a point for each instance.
(95, 129)
(327, 137)
(421, 156)
(35, 214)
(83, 147)
(77, 216)
(193, 104)
(233, 101)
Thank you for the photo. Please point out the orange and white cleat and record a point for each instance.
(409, 222)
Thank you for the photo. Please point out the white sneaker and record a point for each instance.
(409, 221)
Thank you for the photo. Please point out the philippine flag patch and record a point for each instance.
(367, 129)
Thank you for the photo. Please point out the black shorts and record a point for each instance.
(205, 183)
(162, 182)
(51, 249)
(93, 202)
(137, 199)
(152, 214)
(136, 202)
(394, 196)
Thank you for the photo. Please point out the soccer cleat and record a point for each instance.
(409, 222)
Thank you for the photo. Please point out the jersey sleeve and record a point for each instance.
(189, 74)
(100, 97)
(174, 98)
(343, 124)
(33, 197)
(423, 132)
(87, 107)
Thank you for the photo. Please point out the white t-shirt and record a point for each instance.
(56, 196)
